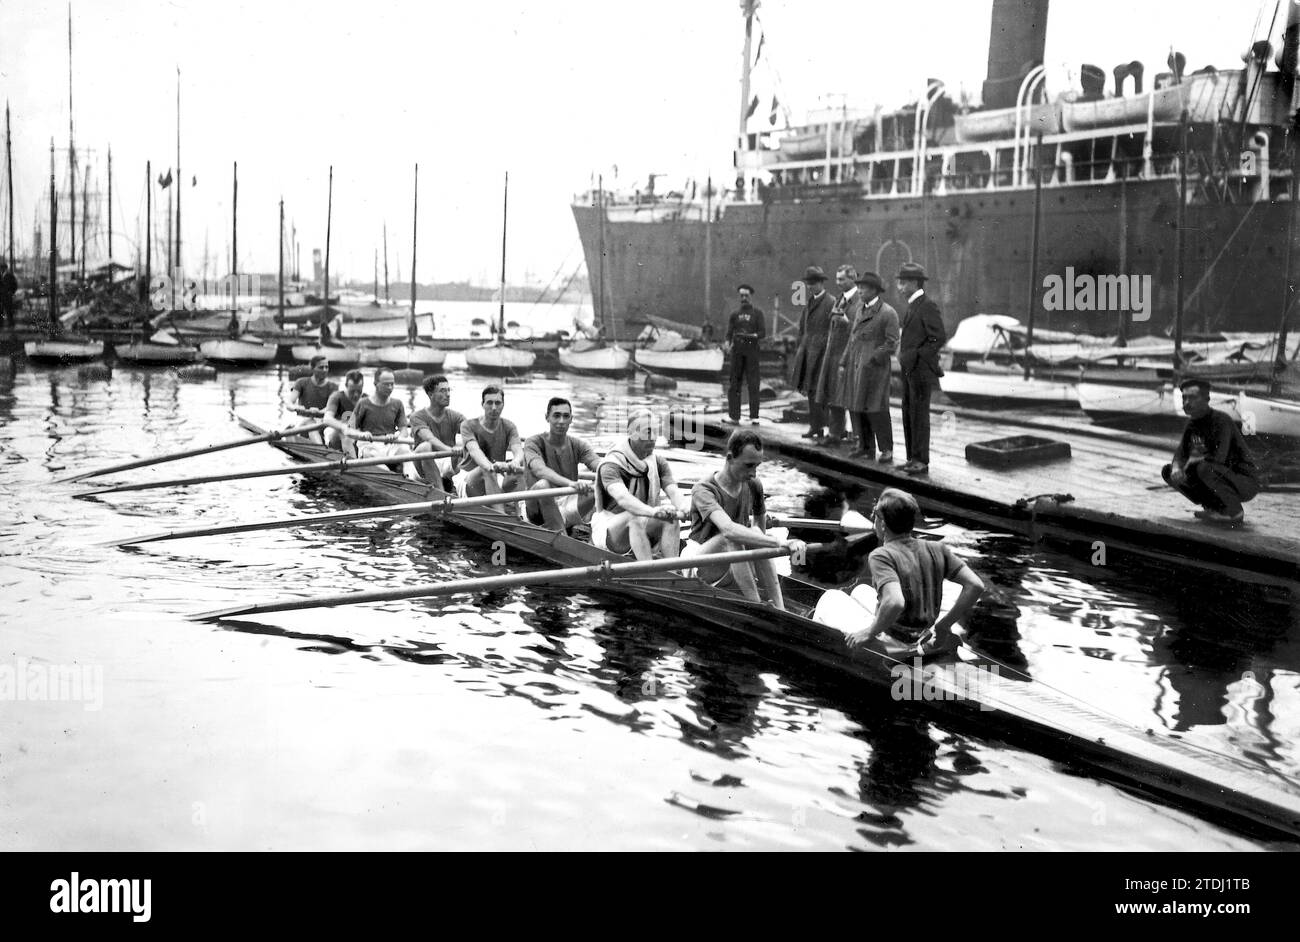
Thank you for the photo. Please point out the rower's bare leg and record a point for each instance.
(670, 539)
(547, 508)
(638, 536)
(477, 483)
(765, 569)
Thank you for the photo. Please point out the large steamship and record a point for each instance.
(1107, 164)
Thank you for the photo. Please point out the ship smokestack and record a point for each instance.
(1016, 44)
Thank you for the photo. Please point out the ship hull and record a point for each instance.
(976, 246)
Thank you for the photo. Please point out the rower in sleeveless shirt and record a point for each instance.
(379, 416)
(729, 513)
(630, 512)
(338, 411)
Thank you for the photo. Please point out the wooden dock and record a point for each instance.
(1117, 503)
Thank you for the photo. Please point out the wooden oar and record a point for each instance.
(389, 510)
(340, 464)
(851, 522)
(598, 573)
(159, 459)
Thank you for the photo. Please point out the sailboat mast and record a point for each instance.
(179, 185)
(1179, 242)
(386, 298)
(376, 273)
(505, 210)
(411, 332)
(85, 218)
(708, 249)
(234, 241)
(279, 317)
(148, 221)
(72, 159)
(110, 203)
(9, 171)
(54, 246)
(329, 215)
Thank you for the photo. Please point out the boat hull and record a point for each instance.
(497, 359)
(344, 356)
(406, 356)
(1007, 388)
(690, 364)
(238, 352)
(161, 354)
(63, 351)
(597, 361)
(1263, 415)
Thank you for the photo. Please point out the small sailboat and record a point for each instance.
(597, 355)
(163, 349)
(1005, 384)
(500, 357)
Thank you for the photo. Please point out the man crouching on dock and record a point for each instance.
(728, 512)
(908, 576)
(629, 481)
(1212, 465)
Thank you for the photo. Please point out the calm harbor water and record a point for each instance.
(532, 718)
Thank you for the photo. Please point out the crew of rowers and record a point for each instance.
(633, 505)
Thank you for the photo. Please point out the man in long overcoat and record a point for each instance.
(921, 335)
(843, 314)
(805, 369)
(873, 339)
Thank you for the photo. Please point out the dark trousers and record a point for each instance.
(1214, 486)
(816, 416)
(917, 386)
(874, 430)
(744, 369)
(7, 311)
(837, 422)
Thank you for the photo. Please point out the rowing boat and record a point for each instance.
(1151, 762)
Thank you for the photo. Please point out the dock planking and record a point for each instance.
(1112, 477)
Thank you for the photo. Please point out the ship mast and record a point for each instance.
(179, 186)
(386, 297)
(110, 206)
(9, 171)
(148, 222)
(234, 244)
(72, 159)
(329, 216)
(279, 315)
(54, 248)
(750, 7)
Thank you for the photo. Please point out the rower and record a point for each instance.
(339, 408)
(908, 575)
(435, 428)
(551, 459)
(629, 481)
(379, 417)
(729, 513)
(309, 394)
(492, 448)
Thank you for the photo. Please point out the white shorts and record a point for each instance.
(381, 449)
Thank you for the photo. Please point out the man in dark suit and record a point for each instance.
(922, 335)
(808, 357)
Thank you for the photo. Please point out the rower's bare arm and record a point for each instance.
(623, 497)
(972, 587)
(476, 455)
(888, 608)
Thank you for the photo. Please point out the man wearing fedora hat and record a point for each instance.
(805, 369)
(873, 339)
(921, 336)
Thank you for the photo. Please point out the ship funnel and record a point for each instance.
(1016, 42)
(1093, 81)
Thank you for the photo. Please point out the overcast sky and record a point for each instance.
(553, 92)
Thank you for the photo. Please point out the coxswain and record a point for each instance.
(551, 459)
(908, 576)
(379, 419)
(339, 408)
(493, 461)
(629, 514)
(434, 428)
(729, 513)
